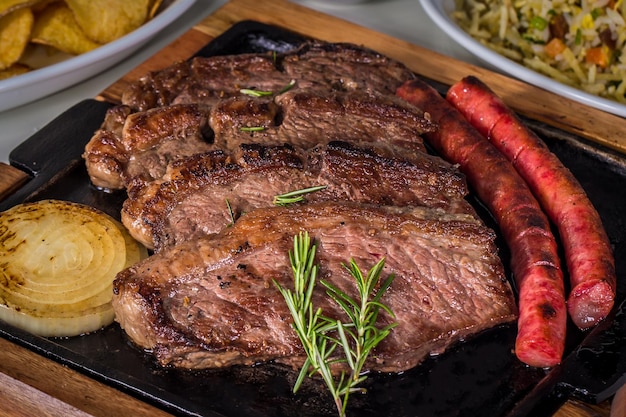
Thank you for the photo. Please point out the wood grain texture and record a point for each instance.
(73, 391)
(10, 179)
(44, 379)
(574, 408)
(25, 401)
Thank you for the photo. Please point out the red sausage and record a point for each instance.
(535, 263)
(588, 252)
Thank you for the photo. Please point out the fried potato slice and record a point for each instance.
(57, 27)
(106, 20)
(8, 6)
(154, 8)
(13, 70)
(15, 30)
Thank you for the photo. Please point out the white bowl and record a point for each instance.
(439, 11)
(42, 82)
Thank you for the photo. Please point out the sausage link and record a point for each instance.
(535, 263)
(588, 253)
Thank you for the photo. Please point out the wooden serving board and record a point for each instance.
(50, 380)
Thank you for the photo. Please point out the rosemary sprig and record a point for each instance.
(363, 315)
(231, 213)
(295, 196)
(252, 128)
(321, 336)
(255, 93)
(263, 93)
(286, 88)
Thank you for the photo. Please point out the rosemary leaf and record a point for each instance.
(255, 93)
(252, 129)
(287, 87)
(295, 196)
(230, 213)
(260, 93)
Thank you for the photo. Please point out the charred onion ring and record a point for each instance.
(57, 264)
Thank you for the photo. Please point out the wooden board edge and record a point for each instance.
(11, 179)
(71, 387)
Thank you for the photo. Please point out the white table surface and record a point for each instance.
(403, 19)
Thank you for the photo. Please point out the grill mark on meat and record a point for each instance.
(205, 80)
(151, 140)
(315, 64)
(105, 154)
(345, 67)
(191, 199)
(354, 115)
(358, 83)
(210, 302)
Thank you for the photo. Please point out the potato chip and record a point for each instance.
(13, 70)
(106, 20)
(57, 27)
(40, 5)
(154, 8)
(15, 30)
(8, 6)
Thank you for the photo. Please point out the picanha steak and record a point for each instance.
(201, 149)
(191, 198)
(211, 301)
(339, 91)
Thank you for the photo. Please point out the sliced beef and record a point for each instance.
(187, 143)
(338, 91)
(351, 116)
(105, 156)
(205, 80)
(306, 118)
(151, 140)
(201, 194)
(138, 147)
(327, 66)
(211, 302)
(344, 67)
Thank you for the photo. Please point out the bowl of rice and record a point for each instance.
(574, 48)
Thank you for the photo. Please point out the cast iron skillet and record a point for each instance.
(478, 377)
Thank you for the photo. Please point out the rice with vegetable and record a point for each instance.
(579, 43)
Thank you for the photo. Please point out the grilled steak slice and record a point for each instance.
(205, 80)
(351, 116)
(210, 302)
(341, 92)
(105, 155)
(192, 197)
(344, 67)
(139, 147)
(316, 64)
(150, 140)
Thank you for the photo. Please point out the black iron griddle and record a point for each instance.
(479, 377)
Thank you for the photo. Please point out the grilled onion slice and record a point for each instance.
(57, 264)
